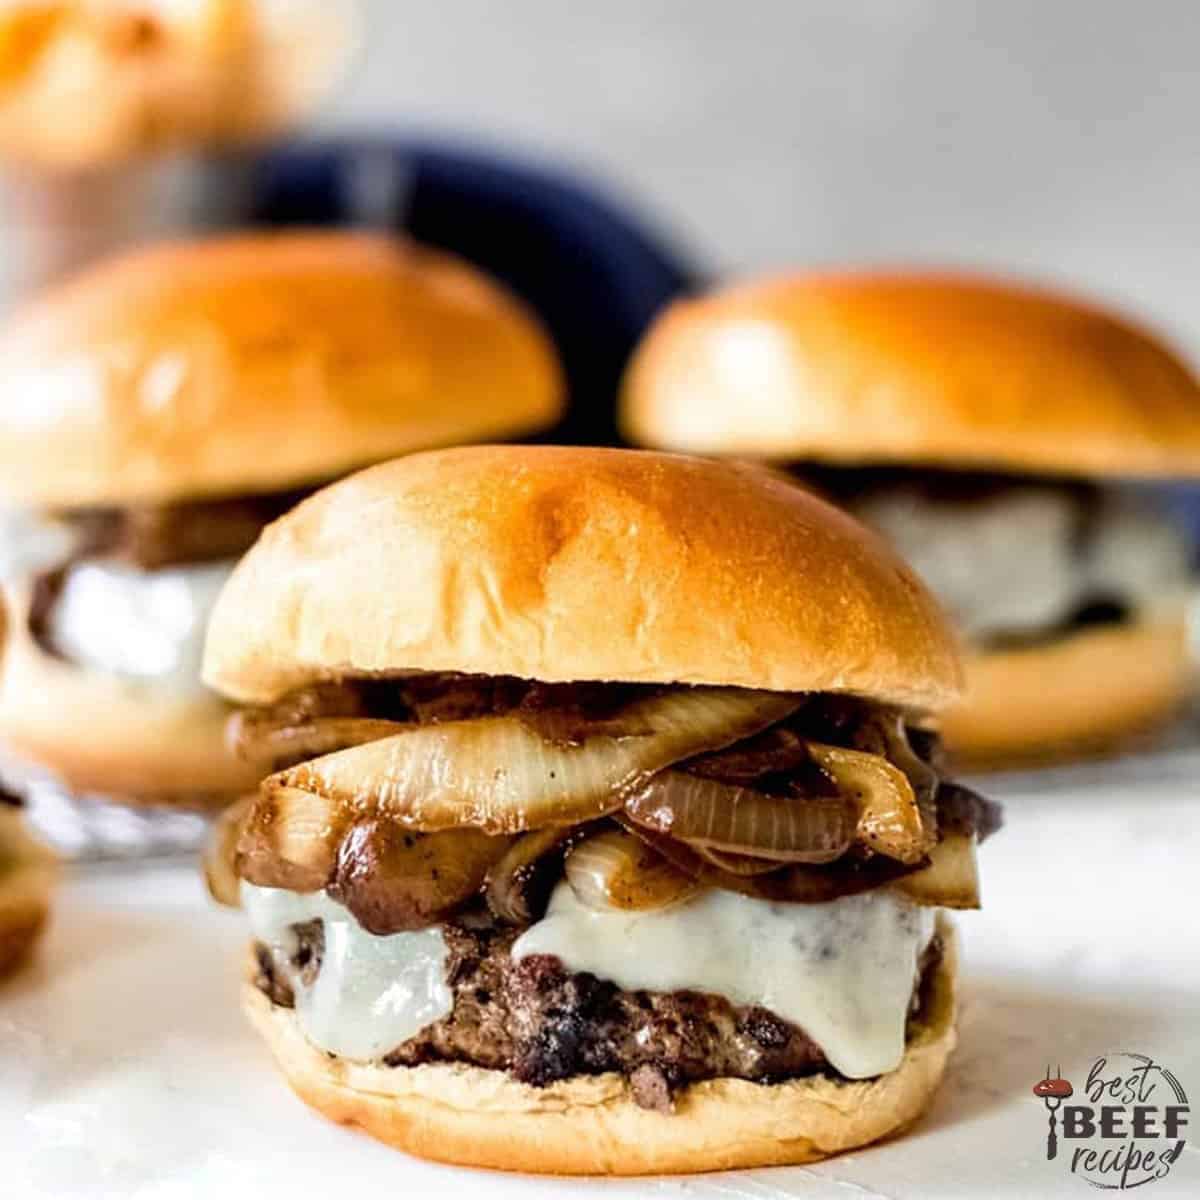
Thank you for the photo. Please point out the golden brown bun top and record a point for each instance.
(91, 83)
(561, 564)
(894, 368)
(257, 363)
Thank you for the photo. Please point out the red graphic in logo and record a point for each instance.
(1052, 1092)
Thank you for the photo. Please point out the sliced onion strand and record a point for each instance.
(740, 820)
(889, 819)
(499, 775)
(614, 870)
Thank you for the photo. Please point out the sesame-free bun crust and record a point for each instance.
(562, 564)
(256, 363)
(97, 733)
(28, 874)
(927, 368)
(1082, 693)
(591, 1125)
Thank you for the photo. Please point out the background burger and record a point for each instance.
(158, 411)
(123, 119)
(606, 833)
(87, 83)
(986, 430)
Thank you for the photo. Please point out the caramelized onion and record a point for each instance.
(795, 884)
(961, 810)
(817, 885)
(497, 774)
(720, 816)
(736, 864)
(676, 853)
(566, 729)
(394, 879)
(290, 840)
(519, 884)
(885, 734)
(889, 819)
(273, 743)
(952, 878)
(614, 870)
(777, 751)
(219, 860)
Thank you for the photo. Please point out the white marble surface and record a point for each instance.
(126, 1071)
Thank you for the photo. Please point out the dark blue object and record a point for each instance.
(594, 276)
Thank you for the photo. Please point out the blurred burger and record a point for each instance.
(606, 832)
(125, 120)
(990, 432)
(86, 83)
(27, 878)
(158, 411)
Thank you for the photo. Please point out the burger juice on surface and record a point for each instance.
(988, 431)
(605, 831)
(158, 412)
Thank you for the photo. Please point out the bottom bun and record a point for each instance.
(1075, 695)
(104, 734)
(591, 1125)
(27, 882)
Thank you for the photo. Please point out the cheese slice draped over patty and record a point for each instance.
(842, 971)
(371, 993)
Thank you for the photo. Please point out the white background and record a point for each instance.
(1054, 137)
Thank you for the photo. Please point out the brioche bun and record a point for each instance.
(1087, 691)
(100, 733)
(864, 368)
(563, 564)
(28, 874)
(258, 363)
(591, 1125)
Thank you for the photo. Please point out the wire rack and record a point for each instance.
(95, 829)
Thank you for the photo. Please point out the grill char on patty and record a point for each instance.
(541, 1023)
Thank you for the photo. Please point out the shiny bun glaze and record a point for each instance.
(877, 367)
(562, 564)
(256, 363)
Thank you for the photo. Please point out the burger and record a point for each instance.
(158, 411)
(996, 435)
(604, 830)
(89, 83)
(27, 878)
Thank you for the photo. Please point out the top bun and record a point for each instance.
(258, 363)
(563, 564)
(913, 368)
(86, 85)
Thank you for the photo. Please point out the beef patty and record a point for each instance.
(541, 1023)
